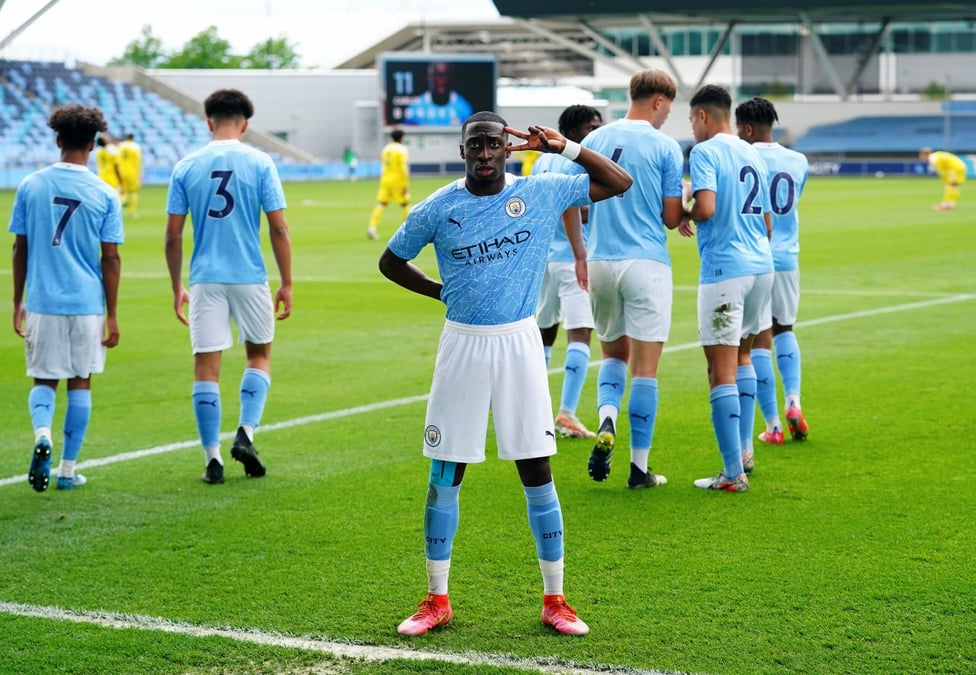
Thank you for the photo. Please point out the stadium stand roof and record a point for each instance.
(545, 40)
(522, 53)
(752, 11)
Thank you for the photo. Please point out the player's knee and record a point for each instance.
(444, 474)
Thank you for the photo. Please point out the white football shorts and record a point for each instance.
(732, 309)
(61, 347)
(212, 306)
(561, 299)
(631, 297)
(786, 297)
(498, 368)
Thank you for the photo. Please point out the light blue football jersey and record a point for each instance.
(787, 173)
(225, 186)
(732, 243)
(491, 250)
(549, 162)
(66, 212)
(630, 226)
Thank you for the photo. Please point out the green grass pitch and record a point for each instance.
(854, 552)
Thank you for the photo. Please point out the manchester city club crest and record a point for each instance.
(515, 207)
(432, 436)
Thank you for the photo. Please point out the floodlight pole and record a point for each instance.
(662, 49)
(866, 57)
(824, 57)
(535, 27)
(24, 26)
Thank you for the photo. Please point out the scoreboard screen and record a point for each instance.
(437, 91)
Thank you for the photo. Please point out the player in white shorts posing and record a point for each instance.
(68, 225)
(491, 233)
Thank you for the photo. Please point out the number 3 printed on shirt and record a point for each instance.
(221, 191)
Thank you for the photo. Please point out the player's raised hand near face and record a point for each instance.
(543, 139)
(607, 178)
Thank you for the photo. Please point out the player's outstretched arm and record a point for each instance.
(408, 275)
(607, 178)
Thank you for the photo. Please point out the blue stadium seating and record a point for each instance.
(30, 89)
(883, 135)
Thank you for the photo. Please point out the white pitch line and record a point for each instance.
(180, 445)
(346, 412)
(338, 649)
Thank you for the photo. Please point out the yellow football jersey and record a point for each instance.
(107, 161)
(948, 166)
(395, 164)
(130, 160)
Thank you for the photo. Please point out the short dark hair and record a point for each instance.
(228, 103)
(576, 116)
(397, 135)
(717, 99)
(483, 116)
(76, 125)
(757, 111)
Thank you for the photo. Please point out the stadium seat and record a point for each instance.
(31, 88)
(885, 135)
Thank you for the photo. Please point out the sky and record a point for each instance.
(324, 32)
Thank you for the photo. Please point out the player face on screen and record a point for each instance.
(439, 76)
(483, 149)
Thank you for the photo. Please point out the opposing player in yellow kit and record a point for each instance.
(952, 173)
(107, 161)
(394, 181)
(130, 171)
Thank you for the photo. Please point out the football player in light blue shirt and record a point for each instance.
(630, 271)
(224, 187)
(731, 213)
(787, 169)
(491, 233)
(562, 298)
(67, 224)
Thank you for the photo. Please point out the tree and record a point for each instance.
(273, 53)
(146, 51)
(205, 50)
